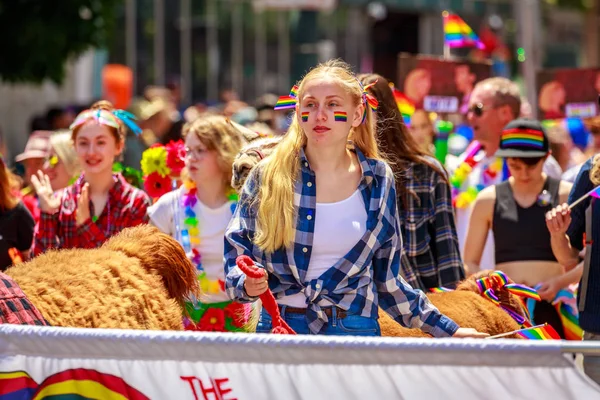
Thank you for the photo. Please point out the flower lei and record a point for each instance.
(161, 167)
(190, 236)
(470, 159)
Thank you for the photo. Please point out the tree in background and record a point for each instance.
(37, 37)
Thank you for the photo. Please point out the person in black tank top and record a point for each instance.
(520, 233)
(515, 211)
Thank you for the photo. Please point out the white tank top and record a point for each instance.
(338, 227)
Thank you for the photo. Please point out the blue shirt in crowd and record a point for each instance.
(589, 318)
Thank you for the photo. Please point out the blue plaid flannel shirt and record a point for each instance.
(365, 278)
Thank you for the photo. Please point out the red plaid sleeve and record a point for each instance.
(139, 211)
(92, 235)
(15, 307)
(46, 231)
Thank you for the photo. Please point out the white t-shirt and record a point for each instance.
(211, 224)
(488, 259)
(338, 227)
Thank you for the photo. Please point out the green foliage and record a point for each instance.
(37, 37)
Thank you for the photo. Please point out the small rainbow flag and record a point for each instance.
(304, 115)
(285, 103)
(595, 193)
(543, 332)
(440, 289)
(406, 107)
(458, 34)
(340, 116)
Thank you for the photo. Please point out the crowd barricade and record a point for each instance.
(41, 362)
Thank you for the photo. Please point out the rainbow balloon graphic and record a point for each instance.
(72, 384)
(458, 34)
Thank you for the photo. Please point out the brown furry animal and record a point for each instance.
(137, 280)
(467, 308)
(249, 156)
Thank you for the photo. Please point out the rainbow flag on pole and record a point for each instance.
(458, 34)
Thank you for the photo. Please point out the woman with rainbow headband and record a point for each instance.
(319, 215)
(197, 214)
(100, 203)
(514, 211)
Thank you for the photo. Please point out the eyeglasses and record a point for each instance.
(197, 153)
(476, 109)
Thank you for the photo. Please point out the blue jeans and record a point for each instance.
(351, 325)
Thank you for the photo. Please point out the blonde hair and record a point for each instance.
(62, 144)
(276, 219)
(217, 134)
(595, 171)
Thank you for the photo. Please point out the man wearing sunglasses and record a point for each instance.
(493, 104)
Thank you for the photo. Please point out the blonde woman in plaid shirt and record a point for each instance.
(431, 256)
(320, 216)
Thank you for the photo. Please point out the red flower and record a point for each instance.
(213, 320)
(157, 185)
(238, 313)
(176, 156)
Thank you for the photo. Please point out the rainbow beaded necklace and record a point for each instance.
(190, 236)
(471, 158)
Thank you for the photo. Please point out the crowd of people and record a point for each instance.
(348, 212)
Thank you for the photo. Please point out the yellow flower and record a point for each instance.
(155, 160)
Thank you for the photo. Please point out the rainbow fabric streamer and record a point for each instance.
(288, 102)
(522, 137)
(458, 34)
(406, 107)
(368, 100)
(565, 303)
(339, 116)
(523, 291)
(304, 116)
(545, 332)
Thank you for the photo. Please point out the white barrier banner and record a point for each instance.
(58, 363)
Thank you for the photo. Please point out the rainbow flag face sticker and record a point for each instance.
(530, 138)
(304, 116)
(340, 116)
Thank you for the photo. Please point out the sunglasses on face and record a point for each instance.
(52, 161)
(477, 109)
